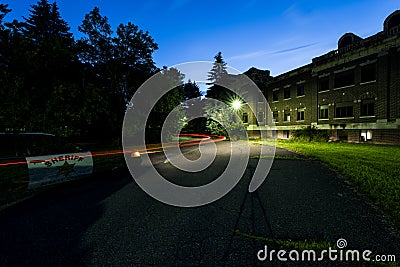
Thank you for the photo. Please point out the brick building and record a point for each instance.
(353, 91)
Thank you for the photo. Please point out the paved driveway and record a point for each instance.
(109, 220)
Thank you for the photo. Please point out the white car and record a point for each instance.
(41, 159)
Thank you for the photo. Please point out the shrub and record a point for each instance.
(311, 133)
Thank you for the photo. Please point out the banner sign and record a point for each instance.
(51, 169)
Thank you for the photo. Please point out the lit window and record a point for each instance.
(324, 112)
(366, 135)
(300, 114)
(286, 134)
(286, 115)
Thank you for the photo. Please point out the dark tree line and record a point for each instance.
(53, 83)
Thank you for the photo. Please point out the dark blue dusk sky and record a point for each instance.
(274, 35)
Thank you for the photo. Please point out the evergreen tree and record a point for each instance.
(45, 24)
(218, 70)
(218, 74)
(4, 10)
(49, 57)
(51, 83)
(51, 44)
(191, 90)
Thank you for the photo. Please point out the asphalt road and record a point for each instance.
(109, 220)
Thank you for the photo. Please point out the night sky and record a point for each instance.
(274, 35)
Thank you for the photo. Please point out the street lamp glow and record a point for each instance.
(236, 104)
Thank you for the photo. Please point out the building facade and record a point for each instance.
(353, 91)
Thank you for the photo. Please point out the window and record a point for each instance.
(343, 135)
(245, 117)
(300, 114)
(368, 73)
(324, 112)
(366, 135)
(286, 93)
(286, 115)
(41, 144)
(367, 108)
(300, 90)
(260, 117)
(345, 78)
(286, 134)
(344, 112)
(275, 116)
(392, 23)
(8, 144)
(323, 84)
(275, 95)
(394, 30)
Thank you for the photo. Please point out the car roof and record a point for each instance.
(26, 133)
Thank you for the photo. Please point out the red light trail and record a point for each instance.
(198, 139)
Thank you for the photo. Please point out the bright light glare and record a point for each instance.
(236, 104)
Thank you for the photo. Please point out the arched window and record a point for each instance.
(392, 23)
(348, 39)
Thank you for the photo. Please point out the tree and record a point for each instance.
(45, 24)
(218, 70)
(4, 35)
(51, 83)
(135, 47)
(218, 74)
(120, 62)
(133, 58)
(4, 10)
(116, 63)
(191, 90)
(51, 43)
(12, 56)
(49, 56)
(35, 55)
(223, 121)
(95, 47)
(174, 97)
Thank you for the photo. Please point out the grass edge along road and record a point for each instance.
(373, 169)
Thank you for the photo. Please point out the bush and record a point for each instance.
(311, 133)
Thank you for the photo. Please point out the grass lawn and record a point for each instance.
(374, 169)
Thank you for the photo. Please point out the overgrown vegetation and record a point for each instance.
(76, 88)
(311, 133)
(374, 169)
(289, 244)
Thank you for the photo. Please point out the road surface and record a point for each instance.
(109, 220)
